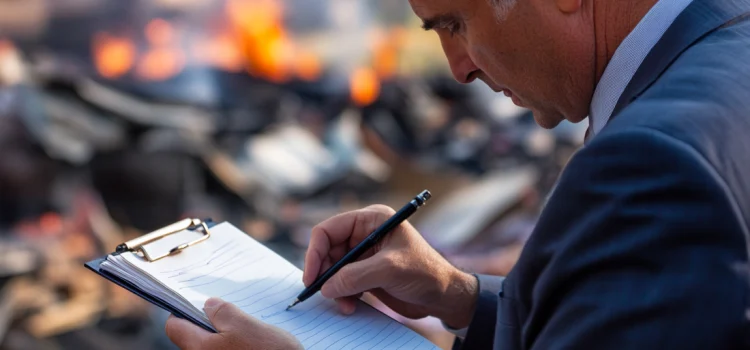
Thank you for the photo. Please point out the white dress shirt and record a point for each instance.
(628, 57)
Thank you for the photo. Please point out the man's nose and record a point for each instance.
(461, 64)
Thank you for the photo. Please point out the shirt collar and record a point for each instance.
(628, 57)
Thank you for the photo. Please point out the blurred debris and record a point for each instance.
(23, 18)
(16, 259)
(11, 64)
(6, 310)
(53, 293)
(462, 214)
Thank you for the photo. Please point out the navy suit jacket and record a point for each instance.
(644, 243)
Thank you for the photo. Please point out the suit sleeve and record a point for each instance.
(638, 248)
(481, 330)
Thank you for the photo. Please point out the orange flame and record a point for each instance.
(163, 60)
(113, 56)
(254, 39)
(160, 64)
(365, 86)
(308, 66)
(386, 52)
(265, 44)
(159, 32)
(255, 16)
(51, 223)
(267, 57)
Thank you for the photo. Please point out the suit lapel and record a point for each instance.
(699, 19)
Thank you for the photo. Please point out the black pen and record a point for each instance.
(354, 254)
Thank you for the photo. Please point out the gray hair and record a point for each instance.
(502, 8)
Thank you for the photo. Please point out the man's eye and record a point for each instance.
(454, 28)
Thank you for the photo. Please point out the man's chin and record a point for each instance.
(547, 120)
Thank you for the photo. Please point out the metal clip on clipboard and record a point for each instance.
(136, 245)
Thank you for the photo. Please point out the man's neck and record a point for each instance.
(613, 21)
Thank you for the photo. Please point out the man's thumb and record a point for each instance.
(223, 315)
(355, 278)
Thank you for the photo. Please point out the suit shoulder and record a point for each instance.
(700, 139)
(642, 150)
(702, 103)
(703, 96)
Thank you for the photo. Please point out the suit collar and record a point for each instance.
(698, 20)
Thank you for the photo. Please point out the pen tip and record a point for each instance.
(292, 304)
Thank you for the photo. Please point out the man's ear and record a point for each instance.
(569, 6)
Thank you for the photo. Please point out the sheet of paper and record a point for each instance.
(238, 269)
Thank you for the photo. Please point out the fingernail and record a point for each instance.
(212, 303)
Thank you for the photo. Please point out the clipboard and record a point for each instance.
(133, 257)
(136, 245)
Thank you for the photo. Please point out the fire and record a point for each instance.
(365, 86)
(252, 38)
(159, 32)
(255, 16)
(265, 43)
(268, 57)
(386, 52)
(51, 223)
(160, 64)
(308, 66)
(113, 56)
(164, 59)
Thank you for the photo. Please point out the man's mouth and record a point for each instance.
(505, 91)
(513, 97)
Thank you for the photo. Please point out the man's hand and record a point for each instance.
(402, 270)
(236, 330)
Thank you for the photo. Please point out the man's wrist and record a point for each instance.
(459, 300)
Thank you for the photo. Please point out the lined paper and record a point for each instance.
(238, 269)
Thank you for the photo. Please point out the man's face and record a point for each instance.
(539, 52)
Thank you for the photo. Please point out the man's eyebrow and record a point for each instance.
(439, 21)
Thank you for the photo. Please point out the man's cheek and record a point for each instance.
(487, 61)
(495, 76)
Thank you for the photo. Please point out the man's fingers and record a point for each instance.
(238, 330)
(317, 251)
(185, 334)
(226, 317)
(325, 266)
(356, 278)
(351, 227)
(347, 305)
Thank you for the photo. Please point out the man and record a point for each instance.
(643, 244)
